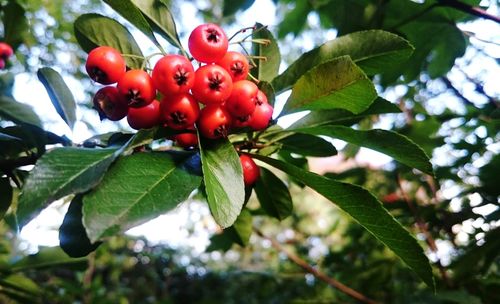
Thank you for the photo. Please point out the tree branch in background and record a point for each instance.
(469, 9)
(451, 87)
(315, 272)
(87, 279)
(480, 89)
(422, 226)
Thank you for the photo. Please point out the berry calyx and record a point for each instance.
(173, 74)
(105, 65)
(137, 88)
(109, 104)
(214, 122)
(208, 43)
(212, 84)
(179, 111)
(251, 171)
(236, 64)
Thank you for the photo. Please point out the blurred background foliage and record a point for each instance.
(448, 92)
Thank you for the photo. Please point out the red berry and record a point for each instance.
(236, 64)
(173, 74)
(212, 84)
(261, 98)
(5, 51)
(251, 171)
(137, 88)
(208, 43)
(186, 140)
(241, 102)
(259, 120)
(145, 117)
(214, 122)
(179, 111)
(2, 64)
(240, 122)
(105, 65)
(110, 104)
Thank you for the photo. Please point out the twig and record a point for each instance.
(469, 9)
(450, 86)
(87, 279)
(423, 228)
(315, 272)
(480, 89)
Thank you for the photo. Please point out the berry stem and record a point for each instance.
(256, 40)
(242, 31)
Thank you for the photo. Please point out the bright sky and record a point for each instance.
(171, 228)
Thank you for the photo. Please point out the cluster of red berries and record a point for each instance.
(228, 99)
(5, 52)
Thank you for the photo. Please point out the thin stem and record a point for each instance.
(87, 279)
(134, 56)
(469, 9)
(423, 228)
(450, 86)
(473, 35)
(257, 41)
(242, 31)
(252, 62)
(315, 272)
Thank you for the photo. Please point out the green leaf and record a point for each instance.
(160, 18)
(336, 84)
(59, 94)
(266, 69)
(367, 211)
(343, 117)
(138, 188)
(230, 7)
(72, 236)
(93, 30)
(223, 177)
(241, 230)
(273, 195)
(60, 172)
(18, 112)
(268, 90)
(308, 145)
(398, 146)
(48, 257)
(6, 195)
(222, 242)
(295, 19)
(21, 283)
(15, 24)
(375, 51)
(130, 12)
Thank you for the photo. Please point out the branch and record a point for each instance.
(450, 86)
(315, 272)
(480, 89)
(469, 9)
